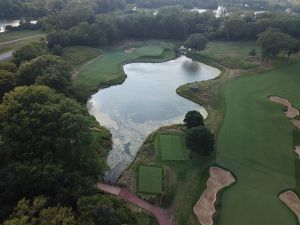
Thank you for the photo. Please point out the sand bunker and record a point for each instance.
(129, 50)
(291, 111)
(292, 201)
(204, 208)
(297, 150)
(296, 123)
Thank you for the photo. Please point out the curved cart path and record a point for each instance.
(160, 214)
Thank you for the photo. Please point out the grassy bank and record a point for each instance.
(107, 68)
(234, 55)
(78, 55)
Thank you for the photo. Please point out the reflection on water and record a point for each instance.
(143, 103)
(13, 23)
(4, 23)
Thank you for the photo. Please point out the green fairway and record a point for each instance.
(77, 55)
(231, 54)
(150, 179)
(171, 147)
(107, 67)
(256, 144)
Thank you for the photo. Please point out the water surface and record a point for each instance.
(14, 23)
(4, 23)
(146, 101)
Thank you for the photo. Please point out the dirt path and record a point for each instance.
(291, 111)
(160, 214)
(204, 208)
(292, 201)
(76, 72)
(21, 39)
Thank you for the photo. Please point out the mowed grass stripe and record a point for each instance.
(256, 144)
(150, 179)
(171, 147)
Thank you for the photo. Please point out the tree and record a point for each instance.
(38, 124)
(46, 70)
(193, 119)
(7, 82)
(252, 52)
(200, 140)
(196, 41)
(57, 50)
(37, 212)
(97, 209)
(28, 52)
(234, 28)
(273, 41)
(9, 66)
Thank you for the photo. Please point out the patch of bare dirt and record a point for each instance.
(292, 201)
(291, 111)
(204, 208)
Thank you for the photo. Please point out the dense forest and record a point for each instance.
(39, 8)
(83, 28)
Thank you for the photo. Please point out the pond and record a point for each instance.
(4, 23)
(146, 101)
(13, 23)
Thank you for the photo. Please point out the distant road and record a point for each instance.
(5, 56)
(20, 39)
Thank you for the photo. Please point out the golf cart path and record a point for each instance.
(160, 214)
(21, 39)
(205, 207)
(290, 198)
(5, 56)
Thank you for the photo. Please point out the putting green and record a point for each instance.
(150, 179)
(256, 144)
(171, 147)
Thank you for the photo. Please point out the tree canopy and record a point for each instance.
(200, 140)
(193, 119)
(273, 42)
(196, 41)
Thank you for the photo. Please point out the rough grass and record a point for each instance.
(256, 143)
(172, 147)
(150, 179)
(77, 55)
(234, 55)
(107, 68)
